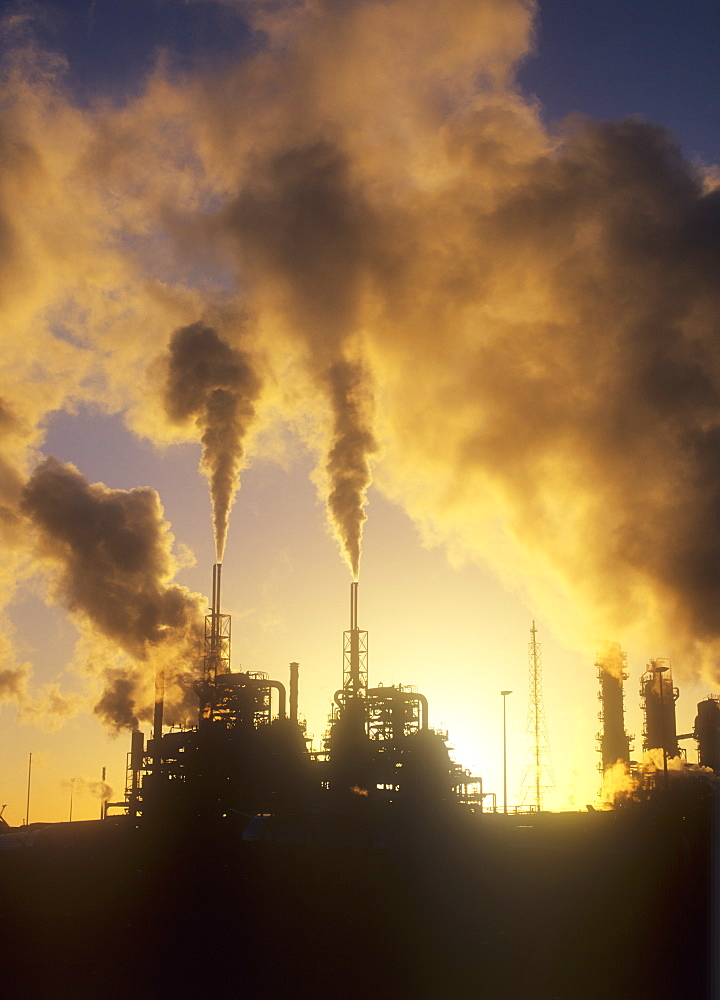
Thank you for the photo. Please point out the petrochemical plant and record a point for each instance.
(249, 756)
(244, 862)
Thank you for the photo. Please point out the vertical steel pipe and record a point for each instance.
(294, 676)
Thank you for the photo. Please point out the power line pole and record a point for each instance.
(538, 777)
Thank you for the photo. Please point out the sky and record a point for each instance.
(423, 295)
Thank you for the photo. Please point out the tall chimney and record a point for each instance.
(159, 702)
(614, 741)
(354, 639)
(294, 673)
(659, 697)
(218, 570)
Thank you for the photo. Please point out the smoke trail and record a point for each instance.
(611, 658)
(49, 708)
(13, 683)
(218, 386)
(117, 706)
(111, 554)
(539, 311)
(348, 467)
(97, 789)
(303, 228)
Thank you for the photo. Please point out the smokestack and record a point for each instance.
(355, 653)
(215, 609)
(159, 702)
(294, 673)
(215, 636)
(354, 639)
(659, 697)
(137, 752)
(614, 741)
(707, 733)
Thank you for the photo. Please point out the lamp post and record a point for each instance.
(659, 671)
(504, 697)
(27, 805)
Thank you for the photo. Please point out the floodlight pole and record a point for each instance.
(504, 697)
(27, 805)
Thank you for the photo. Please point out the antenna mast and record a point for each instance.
(538, 774)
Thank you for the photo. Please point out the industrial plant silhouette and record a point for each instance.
(243, 863)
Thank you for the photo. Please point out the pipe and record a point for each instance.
(159, 703)
(393, 692)
(424, 705)
(280, 688)
(137, 751)
(294, 674)
(353, 604)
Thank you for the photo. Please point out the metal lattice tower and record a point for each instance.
(538, 777)
(355, 654)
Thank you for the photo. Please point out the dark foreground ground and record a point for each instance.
(612, 906)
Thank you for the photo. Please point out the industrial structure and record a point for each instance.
(661, 741)
(538, 778)
(707, 733)
(614, 742)
(249, 754)
(357, 862)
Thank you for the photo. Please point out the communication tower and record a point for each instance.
(538, 777)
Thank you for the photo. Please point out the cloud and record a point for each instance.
(13, 683)
(217, 387)
(514, 332)
(109, 554)
(49, 707)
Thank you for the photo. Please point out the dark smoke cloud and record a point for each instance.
(533, 316)
(304, 233)
(303, 229)
(600, 415)
(117, 705)
(13, 683)
(217, 386)
(348, 465)
(111, 552)
(11, 482)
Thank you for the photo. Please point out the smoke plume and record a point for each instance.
(348, 467)
(13, 683)
(303, 230)
(525, 320)
(611, 658)
(217, 386)
(111, 556)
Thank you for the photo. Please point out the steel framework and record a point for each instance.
(613, 741)
(355, 654)
(538, 776)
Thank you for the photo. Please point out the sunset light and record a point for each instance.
(413, 301)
